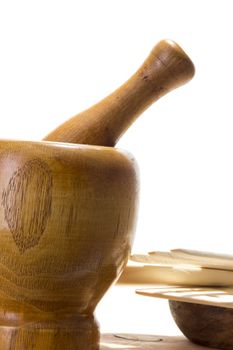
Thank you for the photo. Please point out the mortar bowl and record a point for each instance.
(206, 325)
(67, 220)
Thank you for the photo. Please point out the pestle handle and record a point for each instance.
(166, 68)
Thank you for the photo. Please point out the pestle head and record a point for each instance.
(174, 65)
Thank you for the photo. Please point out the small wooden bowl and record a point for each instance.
(67, 218)
(207, 325)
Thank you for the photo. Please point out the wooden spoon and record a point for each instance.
(166, 68)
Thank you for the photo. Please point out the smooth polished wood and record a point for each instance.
(210, 326)
(166, 68)
(67, 219)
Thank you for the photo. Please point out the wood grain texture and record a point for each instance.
(166, 68)
(67, 219)
(27, 218)
(203, 324)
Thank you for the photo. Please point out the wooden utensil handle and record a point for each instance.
(166, 68)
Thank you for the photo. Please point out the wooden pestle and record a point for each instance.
(166, 68)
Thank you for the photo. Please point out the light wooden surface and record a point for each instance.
(218, 296)
(147, 342)
(166, 68)
(186, 258)
(67, 218)
(179, 276)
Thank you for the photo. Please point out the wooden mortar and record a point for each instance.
(67, 220)
(67, 214)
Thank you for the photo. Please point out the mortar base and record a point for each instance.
(83, 333)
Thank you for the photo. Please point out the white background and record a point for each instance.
(59, 57)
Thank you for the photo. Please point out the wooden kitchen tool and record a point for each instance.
(210, 324)
(210, 321)
(202, 305)
(67, 219)
(166, 68)
(67, 215)
(204, 315)
(177, 276)
(183, 258)
(179, 267)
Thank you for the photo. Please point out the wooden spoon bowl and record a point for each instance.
(207, 325)
(67, 220)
